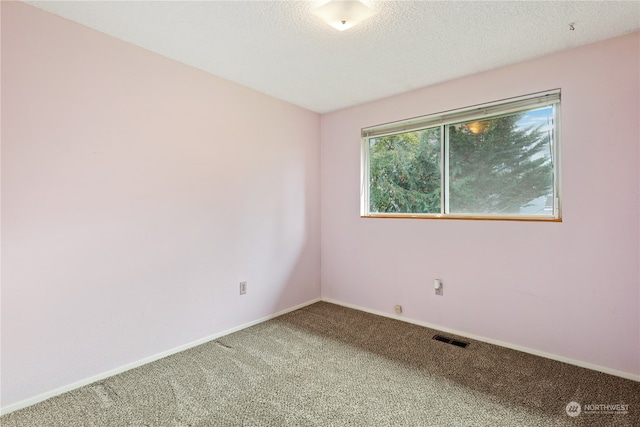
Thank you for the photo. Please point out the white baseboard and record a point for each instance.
(622, 374)
(32, 401)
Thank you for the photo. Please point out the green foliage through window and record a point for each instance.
(501, 165)
(405, 172)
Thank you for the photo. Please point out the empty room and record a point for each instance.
(320, 213)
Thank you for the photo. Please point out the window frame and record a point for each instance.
(478, 112)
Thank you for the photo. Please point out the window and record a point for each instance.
(493, 161)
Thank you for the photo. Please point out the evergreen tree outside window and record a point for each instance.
(496, 160)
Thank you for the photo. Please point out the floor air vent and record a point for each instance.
(451, 341)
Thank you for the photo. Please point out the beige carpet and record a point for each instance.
(326, 365)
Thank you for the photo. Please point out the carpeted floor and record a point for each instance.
(327, 365)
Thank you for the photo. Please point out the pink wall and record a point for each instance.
(569, 289)
(137, 192)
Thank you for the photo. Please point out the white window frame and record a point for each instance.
(473, 113)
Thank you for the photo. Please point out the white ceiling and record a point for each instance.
(282, 49)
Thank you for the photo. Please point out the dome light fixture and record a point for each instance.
(477, 127)
(344, 14)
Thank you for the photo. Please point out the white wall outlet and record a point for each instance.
(437, 284)
(243, 288)
(398, 309)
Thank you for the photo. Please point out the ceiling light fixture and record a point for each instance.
(344, 14)
(477, 127)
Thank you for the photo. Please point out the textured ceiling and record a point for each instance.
(282, 49)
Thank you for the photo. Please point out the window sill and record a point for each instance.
(531, 218)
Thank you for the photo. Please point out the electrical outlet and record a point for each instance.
(398, 309)
(437, 284)
(243, 288)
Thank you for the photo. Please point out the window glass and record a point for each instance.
(497, 160)
(405, 172)
(502, 165)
